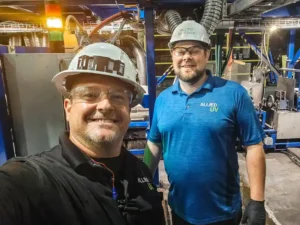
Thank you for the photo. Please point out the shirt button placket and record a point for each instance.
(187, 103)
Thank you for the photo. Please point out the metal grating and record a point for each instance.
(15, 27)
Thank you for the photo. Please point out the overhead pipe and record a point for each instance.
(108, 20)
(139, 54)
(73, 18)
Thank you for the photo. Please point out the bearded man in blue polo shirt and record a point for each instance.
(195, 126)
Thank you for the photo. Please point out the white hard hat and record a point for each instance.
(103, 59)
(189, 30)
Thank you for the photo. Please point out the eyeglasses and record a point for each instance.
(193, 50)
(88, 94)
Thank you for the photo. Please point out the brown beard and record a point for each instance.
(199, 75)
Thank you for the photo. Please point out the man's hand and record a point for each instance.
(255, 213)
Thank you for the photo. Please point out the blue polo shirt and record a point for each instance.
(198, 133)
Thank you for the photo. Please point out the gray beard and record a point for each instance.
(105, 142)
(198, 75)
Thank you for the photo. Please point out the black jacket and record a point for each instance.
(63, 186)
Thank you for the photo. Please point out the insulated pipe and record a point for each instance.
(211, 15)
(44, 41)
(108, 20)
(27, 41)
(139, 54)
(35, 40)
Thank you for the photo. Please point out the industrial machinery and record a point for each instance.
(31, 120)
(282, 115)
(277, 108)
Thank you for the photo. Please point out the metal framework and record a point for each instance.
(15, 27)
(255, 8)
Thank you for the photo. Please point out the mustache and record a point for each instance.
(103, 116)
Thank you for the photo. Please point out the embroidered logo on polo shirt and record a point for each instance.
(213, 107)
(143, 180)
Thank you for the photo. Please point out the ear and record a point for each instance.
(207, 55)
(67, 107)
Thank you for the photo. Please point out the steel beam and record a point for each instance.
(259, 54)
(6, 140)
(287, 2)
(291, 51)
(150, 59)
(65, 2)
(241, 5)
(142, 3)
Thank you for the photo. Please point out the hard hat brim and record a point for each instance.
(59, 79)
(172, 44)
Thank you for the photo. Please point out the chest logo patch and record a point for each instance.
(143, 180)
(213, 107)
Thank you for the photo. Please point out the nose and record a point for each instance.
(104, 104)
(186, 56)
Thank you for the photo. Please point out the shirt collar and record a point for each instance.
(209, 84)
(74, 156)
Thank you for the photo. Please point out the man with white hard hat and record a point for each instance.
(89, 178)
(198, 141)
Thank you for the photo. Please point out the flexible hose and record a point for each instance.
(109, 20)
(212, 14)
(139, 55)
(173, 19)
(210, 19)
(69, 17)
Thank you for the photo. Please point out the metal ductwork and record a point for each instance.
(139, 54)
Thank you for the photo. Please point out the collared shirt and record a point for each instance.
(63, 186)
(198, 133)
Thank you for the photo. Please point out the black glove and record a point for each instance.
(255, 213)
(138, 204)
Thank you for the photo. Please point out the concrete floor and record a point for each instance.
(282, 188)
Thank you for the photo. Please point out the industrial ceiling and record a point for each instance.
(91, 10)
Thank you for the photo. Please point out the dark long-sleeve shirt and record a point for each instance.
(63, 186)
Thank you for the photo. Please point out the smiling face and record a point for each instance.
(189, 60)
(98, 110)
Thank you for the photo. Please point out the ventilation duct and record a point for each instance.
(170, 19)
(212, 15)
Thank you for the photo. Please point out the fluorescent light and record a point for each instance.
(273, 28)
